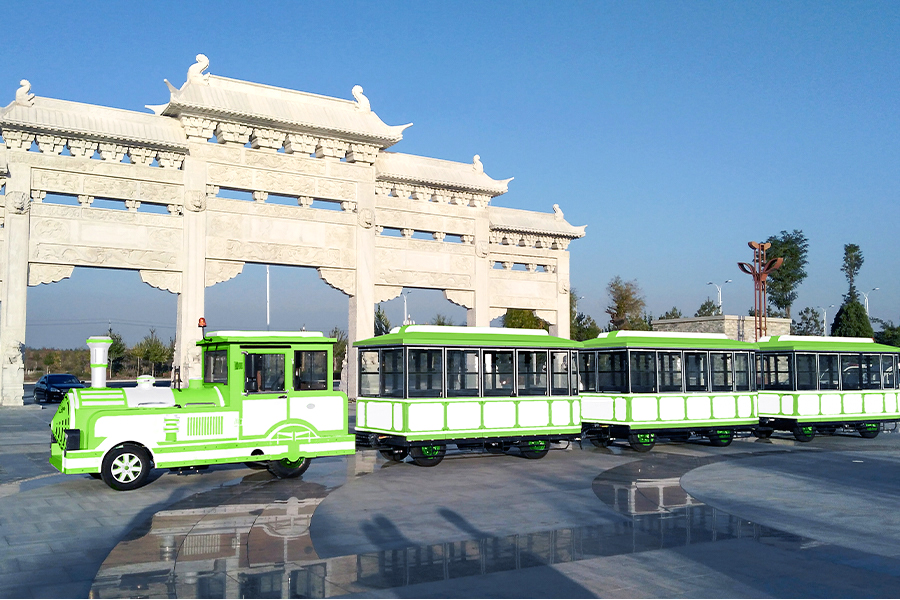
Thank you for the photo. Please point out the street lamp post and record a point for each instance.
(719, 292)
(406, 319)
(824, 320)
(866, 296)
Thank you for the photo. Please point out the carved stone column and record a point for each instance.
(361, 320)
(562, 327)
(14, 260)
(480, 314)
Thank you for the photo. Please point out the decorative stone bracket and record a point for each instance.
(463, 298)
(40, 273)
(218, 271)
(343, 280)
(164, 280)
(383, 293)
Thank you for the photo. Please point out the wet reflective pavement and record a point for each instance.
(255, 539)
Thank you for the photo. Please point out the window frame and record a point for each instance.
(441, 390)
(247, 353)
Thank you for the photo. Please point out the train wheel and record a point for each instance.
(721, 437)
(763, 433)
(428, 456)
(395, 454)
(535, 449)
(289, 469)
(868, 430)
(126, 467)
(642, 442)
(804, 433)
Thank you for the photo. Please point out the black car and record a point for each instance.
(54, 387)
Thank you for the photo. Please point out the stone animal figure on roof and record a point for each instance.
(24, 97)
(195, 71)
(362, 103)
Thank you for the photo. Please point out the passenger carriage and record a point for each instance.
(638, 385)
(265, 397)
(422, 388)
(818, 384)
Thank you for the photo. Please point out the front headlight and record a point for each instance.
(54, 390)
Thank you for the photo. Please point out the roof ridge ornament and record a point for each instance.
(24, 97)
(362, 103)
(558, 213)
(195, 72)
(476, 164)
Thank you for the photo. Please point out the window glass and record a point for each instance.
(587, 371)
(871, 371)
(850, 379)
(612, 372)
(806, 372)
(63, 379)
(670, 371)
(741, 371)
(643, 372)
(775, 371)
(559, 369)
(215, 369)
(462, 373)
(889, 370)
(720, 362)
(532, 372)
(696, 371)
(392, 373)
(426, 371)
(369, 373)
(311, 370)
(498, 373)
(264, 373)
(828, 372)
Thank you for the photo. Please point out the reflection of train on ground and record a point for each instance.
(267, 397)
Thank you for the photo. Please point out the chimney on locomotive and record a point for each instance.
(99, 345)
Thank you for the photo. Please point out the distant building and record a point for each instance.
(736, 327)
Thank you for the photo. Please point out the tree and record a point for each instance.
(117, 352)
(809, 323)
(518, 318)
(340, 350)
(626, 308)
(152, 350)
(851, 321)
(581, 326)
(889, 334)
(783, 282)
(853, 262)
(382, 323)
(440, 319)
(49, 361)
(708, 309)
(672, 313)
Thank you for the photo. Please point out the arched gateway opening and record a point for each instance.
(371, 222)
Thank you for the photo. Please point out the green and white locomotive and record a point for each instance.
(265, 397)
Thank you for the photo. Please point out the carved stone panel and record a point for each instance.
(422, 279)
(283, 254)
(278, 182)
(123, 258)
(40, 273)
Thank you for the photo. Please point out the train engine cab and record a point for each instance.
(811, 384)
(638, 385)
(265, 397)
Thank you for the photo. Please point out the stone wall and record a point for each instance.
(736, 327)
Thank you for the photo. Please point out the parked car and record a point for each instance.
(54, 386)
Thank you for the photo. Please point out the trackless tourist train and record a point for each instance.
(267, 397)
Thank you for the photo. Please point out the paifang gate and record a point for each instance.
(216, 134)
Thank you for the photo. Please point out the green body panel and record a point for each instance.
(651, 340)
(791, 343)
(458, 337)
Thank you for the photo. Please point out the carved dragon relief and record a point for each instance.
(41, 273)
(106, 257)
(343, 280)
(218, 271)
(18, 202)
(164, 280)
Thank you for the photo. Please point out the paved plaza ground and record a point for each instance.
(757, 519)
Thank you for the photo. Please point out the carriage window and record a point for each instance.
(889, 370)
(369, 373)
(806, 372)
(532, 372)
(392, 373)
(850, 379)
(498, 373)
(721, 371)
(215, 369)
(775, 372)
(670, 371)
(696, 371)
(559, 366)
(741, 372)
(828, 372)
(264, 373)
(462, 373)
(871, 371)
(643, 372)
(587, 372)
(612, 372)
(425, 373)
(311, 370)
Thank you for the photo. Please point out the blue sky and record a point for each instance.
(676, 131)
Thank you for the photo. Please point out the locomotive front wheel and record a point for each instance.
(804, 433)
(721, 438)
(428, 456)
(395, 454)
(642, 442)
(126, 467)
(868, 430)
(535, 449)
(288, 469)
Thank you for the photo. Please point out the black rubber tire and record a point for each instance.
(428, 456)
(600, 442)
(868, 430)
(721, 438)
(286, 469)
(395, 454)
(534, 449)
(126, 467)
(95, 475)
(804, 433)
(258, 466)
(763, 433)
(642, 442)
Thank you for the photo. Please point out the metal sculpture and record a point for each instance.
(760, 270)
